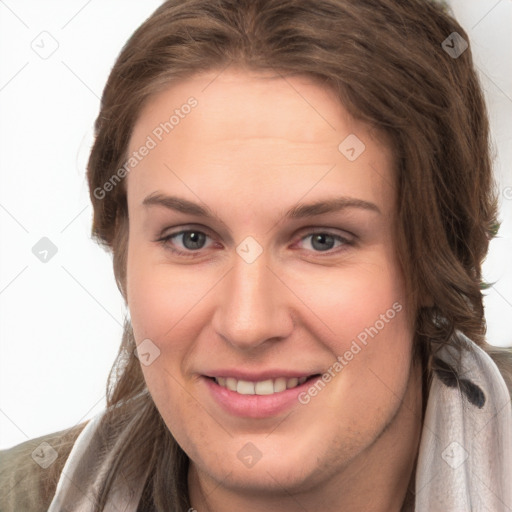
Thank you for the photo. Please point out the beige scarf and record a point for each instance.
(465, 455)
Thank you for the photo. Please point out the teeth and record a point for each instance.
(245, 388)
(263, 387)
(230, 383)
(279, 384)
(292, 383)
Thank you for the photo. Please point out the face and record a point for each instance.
(262, 279)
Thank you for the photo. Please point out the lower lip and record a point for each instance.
(256, 406)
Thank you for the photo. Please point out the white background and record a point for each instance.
(60, 321)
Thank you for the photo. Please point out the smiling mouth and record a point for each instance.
(263, 387)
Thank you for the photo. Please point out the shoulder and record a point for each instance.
(29, 471)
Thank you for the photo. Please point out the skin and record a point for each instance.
(255, 146)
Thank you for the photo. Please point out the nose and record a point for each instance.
(251, 308)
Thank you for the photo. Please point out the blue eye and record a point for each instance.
(192, 241)
(325, 241)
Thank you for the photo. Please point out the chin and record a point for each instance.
(281, 466)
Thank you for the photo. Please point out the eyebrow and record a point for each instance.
(299, 211)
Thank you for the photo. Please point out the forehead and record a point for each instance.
(251, 104)
(257, 130)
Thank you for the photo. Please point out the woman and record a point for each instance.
(298, 197)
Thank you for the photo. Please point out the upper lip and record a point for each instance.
(258, 376)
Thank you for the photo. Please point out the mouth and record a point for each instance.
(262, 387)
(266, 395)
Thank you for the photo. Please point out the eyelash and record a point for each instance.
(165, 241)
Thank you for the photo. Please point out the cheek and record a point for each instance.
(370, 337)
(362, 302)
(161, 304)
(159, 298)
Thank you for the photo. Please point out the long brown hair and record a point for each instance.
(386, 62)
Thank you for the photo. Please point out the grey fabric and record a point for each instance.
(28, 486)
(465, 455)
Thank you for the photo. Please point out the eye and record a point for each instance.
(322, 241)
(192, 240)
